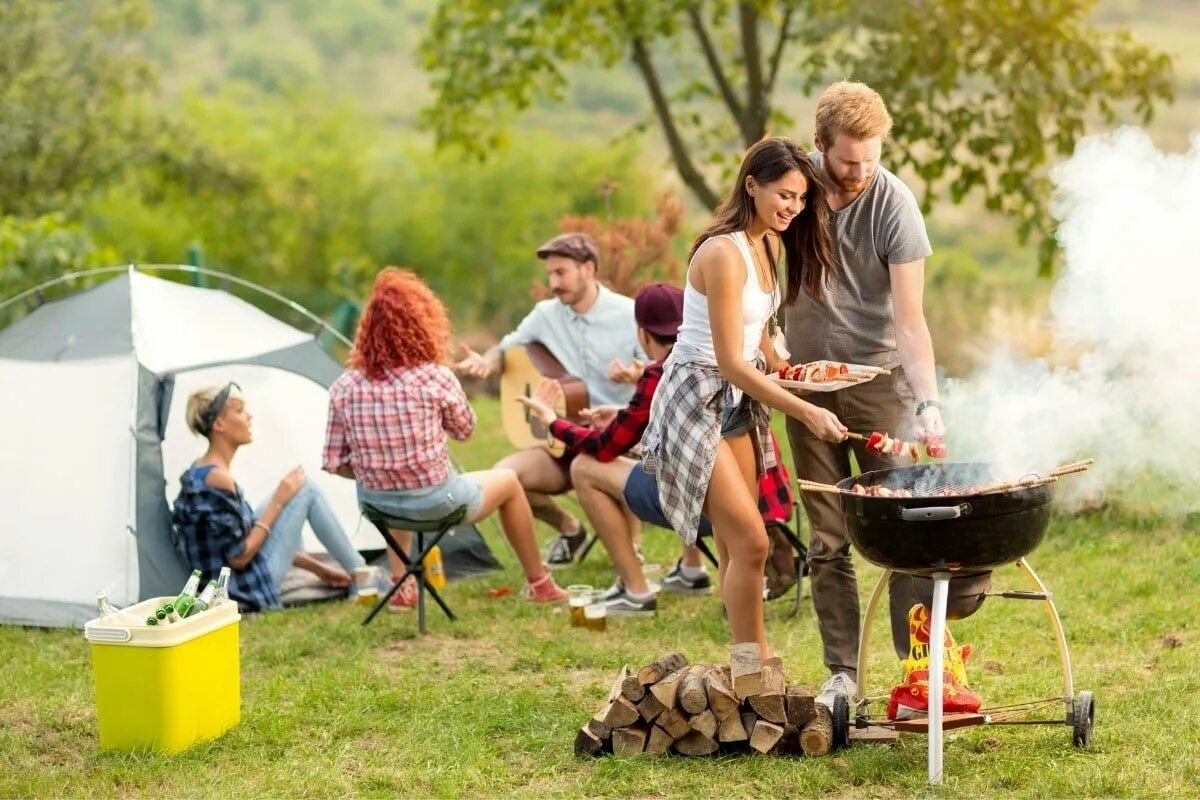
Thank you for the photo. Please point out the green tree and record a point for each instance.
(984, 94)
(74, 98)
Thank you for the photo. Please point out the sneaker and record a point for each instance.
(543, 590)
(612, 592)
(625, 606)
(676, 581)
(565, 547)
(405, 598)
(838, 683)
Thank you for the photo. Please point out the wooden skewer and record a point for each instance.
(814, 486)
(858, 437)
(1070, 469)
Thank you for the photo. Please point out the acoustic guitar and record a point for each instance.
(524, 367)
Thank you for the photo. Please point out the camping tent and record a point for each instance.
(94, 390)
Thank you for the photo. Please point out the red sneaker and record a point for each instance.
(405, 598)
(543, 590)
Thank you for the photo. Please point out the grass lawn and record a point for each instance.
(488, 706)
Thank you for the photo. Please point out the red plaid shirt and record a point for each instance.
(392, 433)
(626, 429)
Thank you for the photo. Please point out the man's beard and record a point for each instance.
(842, 184)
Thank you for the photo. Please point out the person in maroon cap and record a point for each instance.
(615, 491)
(590, 330)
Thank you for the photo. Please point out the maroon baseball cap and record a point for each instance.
(576, 246)
(658, 308)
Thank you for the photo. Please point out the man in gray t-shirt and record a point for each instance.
(873, 315)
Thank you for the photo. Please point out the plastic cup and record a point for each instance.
(579, 596)
(595, 617)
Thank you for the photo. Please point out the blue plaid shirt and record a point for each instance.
(210, 528)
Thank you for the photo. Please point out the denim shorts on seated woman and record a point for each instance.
(428, 504)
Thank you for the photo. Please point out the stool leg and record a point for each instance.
(395, 547)
(419, 569)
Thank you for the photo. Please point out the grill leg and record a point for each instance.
(937, 651)
(1060, 635)
(864, 634)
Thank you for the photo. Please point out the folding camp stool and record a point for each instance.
(414, 565)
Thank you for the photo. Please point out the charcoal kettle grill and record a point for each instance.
(949, 538)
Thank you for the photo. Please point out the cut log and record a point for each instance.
(630, 741)
(587, 743)
(692, 696)
(696, 744)
(674, 723)
(599, 727)
(721, 698)
(731, 729)
(749, 718)
(769, 702)
(619, 713)
(631, 690)
(650, 708)
(704, 722)
(816, 737)
(775, 662)
(745, 665)
(765, 736)
(660, 668)
(873, 734)
(616, 689)
(659, 742)
(801, 705)
(667, 689)
(789, 743)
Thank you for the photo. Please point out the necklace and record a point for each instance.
(761, 271)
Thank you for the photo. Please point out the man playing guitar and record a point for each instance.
(590, 330)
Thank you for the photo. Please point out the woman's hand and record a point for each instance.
(824, 424)
(292, 483)
(335, 577)
(600, 416)
(547, 395)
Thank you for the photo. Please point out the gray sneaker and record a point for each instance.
(838, 683)
(676, 581)
(625, 606)
(612, 592)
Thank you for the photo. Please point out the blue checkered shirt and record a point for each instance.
(210, 527)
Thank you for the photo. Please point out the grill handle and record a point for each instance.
(935, 513)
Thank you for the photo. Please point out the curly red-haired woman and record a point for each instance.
(390, 414)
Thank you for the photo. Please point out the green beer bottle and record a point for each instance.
(183, 603)
(151, 620)
(161, 616)
(205, 600)
(222, 594)
(172, 614)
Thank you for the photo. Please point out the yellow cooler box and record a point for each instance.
(165, 687)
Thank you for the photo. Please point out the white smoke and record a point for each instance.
(1128, 300)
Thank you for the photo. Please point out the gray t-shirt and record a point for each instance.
(854, 321)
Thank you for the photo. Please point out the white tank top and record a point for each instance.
(695, 333)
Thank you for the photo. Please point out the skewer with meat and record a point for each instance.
(885, 445)
(816, 372)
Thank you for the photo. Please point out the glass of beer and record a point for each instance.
(595, 617)
(579, 595)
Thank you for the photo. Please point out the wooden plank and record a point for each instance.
(745, 665)
(721, 699)
(765, 736)
(704, 722)
(630, 741)
(769, 702)
(800, 703)
(667, 689)
(587, 743)
(873, 734)
(660, 668)
(650, 708)
(949, 722)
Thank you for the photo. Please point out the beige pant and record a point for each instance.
(882, 404)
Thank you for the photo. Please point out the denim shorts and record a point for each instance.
(737, 418)
(641, 495)
(430, 503)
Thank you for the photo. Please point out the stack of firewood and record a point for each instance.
(699, 709)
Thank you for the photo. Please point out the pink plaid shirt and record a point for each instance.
(392, 433)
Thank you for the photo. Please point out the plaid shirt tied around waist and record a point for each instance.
(680, 444)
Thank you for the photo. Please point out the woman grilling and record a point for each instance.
(708, 428)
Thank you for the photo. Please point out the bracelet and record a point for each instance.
(260, 524)
(928, 404)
